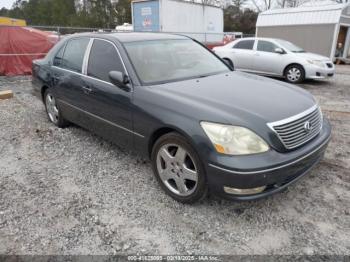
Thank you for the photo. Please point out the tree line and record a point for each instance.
(74, 13)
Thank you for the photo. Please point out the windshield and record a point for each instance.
(290, 46)
(162, 61)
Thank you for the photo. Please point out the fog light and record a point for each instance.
(248, 191)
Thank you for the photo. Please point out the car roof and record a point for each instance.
(260, 38)
(257, 38)
(133, 36)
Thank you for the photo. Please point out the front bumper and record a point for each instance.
(316, 72)
(277, 170)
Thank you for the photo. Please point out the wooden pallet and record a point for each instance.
(6, 94)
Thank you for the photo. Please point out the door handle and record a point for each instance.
(55, 79)
(87, 89)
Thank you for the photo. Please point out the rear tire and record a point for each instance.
(294, 74)
(179, 169)
(52, 109)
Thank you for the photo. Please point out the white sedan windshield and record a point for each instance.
(160, 61)
(290, 46)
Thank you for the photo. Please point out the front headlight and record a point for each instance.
(316, 63)
(234, 140)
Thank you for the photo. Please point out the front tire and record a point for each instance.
(52, 109)
(178, 169)
(294, 74)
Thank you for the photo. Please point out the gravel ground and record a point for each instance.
(66, 191)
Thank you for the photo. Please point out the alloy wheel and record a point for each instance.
(177, 169)
(51, 108)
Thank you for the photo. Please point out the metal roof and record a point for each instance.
(321, 14)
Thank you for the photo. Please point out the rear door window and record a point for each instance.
(58, 57)
(245, 44)
(74, 54)
(103, 59)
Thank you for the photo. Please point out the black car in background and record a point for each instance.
(204, 127)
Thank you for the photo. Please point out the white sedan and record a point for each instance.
(275, 57)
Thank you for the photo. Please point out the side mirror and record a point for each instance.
(279, 51)
(120, 80)
(228, 63)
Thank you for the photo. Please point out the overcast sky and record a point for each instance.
(6, 3)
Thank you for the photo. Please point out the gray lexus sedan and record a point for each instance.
(205, 127)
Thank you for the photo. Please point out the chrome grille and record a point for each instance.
(297, 130)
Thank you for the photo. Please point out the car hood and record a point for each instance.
(312, 56)
(235, 96)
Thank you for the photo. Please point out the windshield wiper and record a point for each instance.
(211, 74)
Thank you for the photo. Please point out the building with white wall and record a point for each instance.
(317, 29)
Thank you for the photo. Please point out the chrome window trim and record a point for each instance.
(99, 80)
(70, 71)
(96, 79)
(274, 168)
(86, 57)
(100, 118)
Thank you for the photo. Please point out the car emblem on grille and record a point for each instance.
(307, 126)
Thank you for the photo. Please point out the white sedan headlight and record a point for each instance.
(316, 63)
(234, 140)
